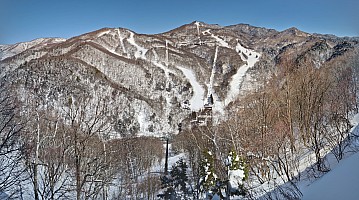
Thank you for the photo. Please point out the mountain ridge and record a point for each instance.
(145, 71)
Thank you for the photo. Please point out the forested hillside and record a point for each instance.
(199, 112)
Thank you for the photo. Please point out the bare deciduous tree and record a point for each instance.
(11, 147)
(87, 124)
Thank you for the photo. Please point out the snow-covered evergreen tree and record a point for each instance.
(175, 185)
(179, 175)
(237, 173)
(210, 184)
(208, 175)
(167, 187)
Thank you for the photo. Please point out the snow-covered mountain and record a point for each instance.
(152, 83)
(11, 50)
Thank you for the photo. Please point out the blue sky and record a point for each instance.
(24, 20)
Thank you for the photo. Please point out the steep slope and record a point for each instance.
(340, 183)
(153, 82)
(11, 50)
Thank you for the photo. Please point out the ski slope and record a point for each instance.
(158, 64)
(109, 48)
(237, 79)
(121, 41)
(211, 79)
(141, 51)
(196, 101)
(218, 107)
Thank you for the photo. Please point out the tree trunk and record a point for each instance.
(36, 187)
(78, 181)
(36, 190)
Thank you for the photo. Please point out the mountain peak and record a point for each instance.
(295, 32)
(252, 30)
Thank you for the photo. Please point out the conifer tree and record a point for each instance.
(175, 185)
(237, 173)
(210, 184)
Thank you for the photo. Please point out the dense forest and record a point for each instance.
(66, 152)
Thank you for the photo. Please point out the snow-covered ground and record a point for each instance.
(251, 57)
(220, 41)
(121, 41)
(342, 182)
(159, 64)
(237, 79)
(109, 48)
(197, 100)
(218, 108)
(11, 50)
(172, 159)
(211, 79)
(141, 51)
(103, 33)
(198, 25)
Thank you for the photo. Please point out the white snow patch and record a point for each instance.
(198, 34)
(208, 31)
(113, 51)
(237, 79)
(141, 51)
(197, 25)
(218, 109)
(121, 41)
(220, 41)
(240, 49)
(218, 106)
(355, 121)
(172, 159)
(14, 49)
(160, 65)
(145, 123)
(211, 79)
(141, 118)
(57, 40)
(340, 183)
(196, 101)
(103, 33)
(235, 178)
